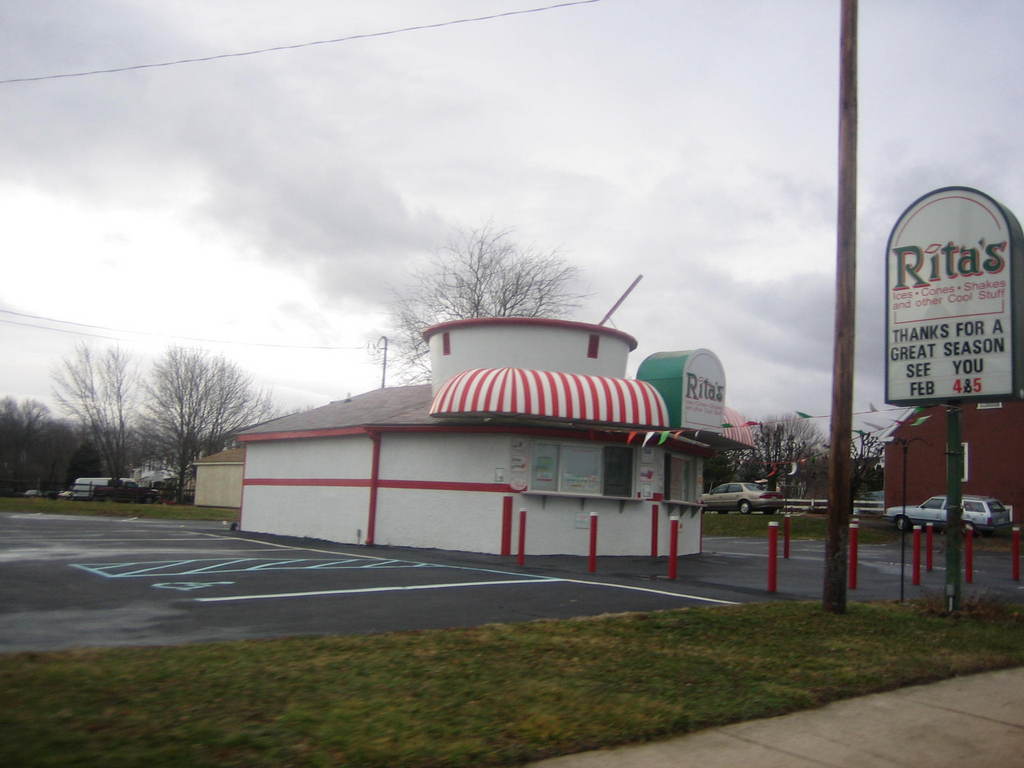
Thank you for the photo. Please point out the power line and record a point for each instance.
(147, 333)
(294, 46)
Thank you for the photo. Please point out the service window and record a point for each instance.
(583, 470)
(681, 478)
(618, 470)
(545, 467)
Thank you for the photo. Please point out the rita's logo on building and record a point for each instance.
(703, 388)
(917, 267)
(692, 383)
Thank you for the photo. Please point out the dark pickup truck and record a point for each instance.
(101, 489)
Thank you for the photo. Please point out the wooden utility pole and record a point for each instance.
(840, 463)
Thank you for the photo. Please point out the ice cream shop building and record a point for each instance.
(521, 414)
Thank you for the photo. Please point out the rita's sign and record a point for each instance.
(953, 270)
(692, 384)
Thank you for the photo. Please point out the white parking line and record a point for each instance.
(374, 589)
(652, 591)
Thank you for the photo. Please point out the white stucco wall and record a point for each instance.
(333, 513)
(457, 515)
(539, 347)
(325, 457)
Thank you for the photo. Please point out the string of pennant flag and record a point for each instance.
(914, 420)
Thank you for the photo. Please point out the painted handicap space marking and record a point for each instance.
(188, 586)
(237, 565)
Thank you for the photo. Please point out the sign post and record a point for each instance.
(953, 330)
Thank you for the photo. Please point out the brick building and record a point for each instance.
(993, 438)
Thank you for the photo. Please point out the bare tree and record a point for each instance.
(195, 401)
(866, 451)
(780, 444)
(100, 391)
(480, 273)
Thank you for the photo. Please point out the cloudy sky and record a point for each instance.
(264, 206)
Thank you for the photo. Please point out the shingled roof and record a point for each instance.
(380, 407)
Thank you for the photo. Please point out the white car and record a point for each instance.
(984, 513)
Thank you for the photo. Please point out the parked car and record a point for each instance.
(32, 494)
(102, 489)
(742, 496)
(985, 513)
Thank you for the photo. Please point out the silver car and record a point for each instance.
(985, 514)
(742, 496)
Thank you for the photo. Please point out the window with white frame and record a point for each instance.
(583, 470)
(681, 477)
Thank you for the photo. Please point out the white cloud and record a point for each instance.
(275, 198)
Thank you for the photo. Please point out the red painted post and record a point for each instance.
(673, 547)
(1015, 551)
(592, 562)
(506, 526)
(854, 532)
(787, 534)
(654, 530)
(929, 545)
(917, 556)
(521, 559)
(773, 565)
(969, 554)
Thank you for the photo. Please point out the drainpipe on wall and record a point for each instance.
(371, 523)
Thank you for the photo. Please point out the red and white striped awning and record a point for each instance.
(551, 395)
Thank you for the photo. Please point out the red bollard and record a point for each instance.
(521, 558)
(673, 547)
(854, 529)
(969, 553)
(929, 545)
(916, 580)
(592, 562)
(1015, 551)
(654, 530)
(773, 565)
(506, 526)
(787, 531)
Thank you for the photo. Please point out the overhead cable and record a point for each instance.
(147, 333)
(294, 46)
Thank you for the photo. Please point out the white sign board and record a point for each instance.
(703, 391)
(951, 324)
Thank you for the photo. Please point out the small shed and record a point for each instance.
(219, 479)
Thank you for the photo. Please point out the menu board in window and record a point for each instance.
(580, 470)
(545, 467)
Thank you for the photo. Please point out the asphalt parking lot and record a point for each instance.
(68, 581)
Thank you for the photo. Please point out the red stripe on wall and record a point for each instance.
(339, 482)
(344, 482)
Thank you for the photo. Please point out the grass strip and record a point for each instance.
(872, 530)
(489, 696)
(116, 509)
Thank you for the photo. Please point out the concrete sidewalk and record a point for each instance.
(967, 722)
